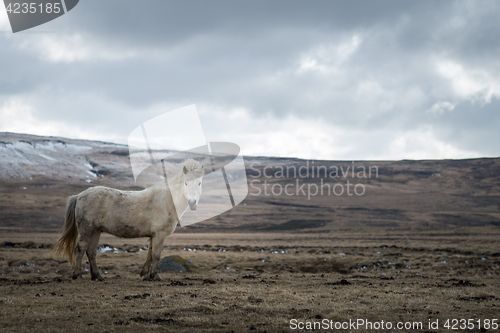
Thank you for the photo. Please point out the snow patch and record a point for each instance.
(49, 145)
(47, 157)
(74, 147)
(15, 160)
(23, 146)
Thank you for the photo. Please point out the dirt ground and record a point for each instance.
(260, 282)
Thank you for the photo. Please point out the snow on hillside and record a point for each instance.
(24, 156)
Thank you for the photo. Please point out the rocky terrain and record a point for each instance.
(260, 282)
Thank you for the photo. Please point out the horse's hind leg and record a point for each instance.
(145, 267)
(77, 270)
(81, 247)
(157, 246)
(91, 254)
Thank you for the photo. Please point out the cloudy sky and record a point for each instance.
(312, 79)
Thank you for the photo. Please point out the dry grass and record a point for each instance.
(303, 283)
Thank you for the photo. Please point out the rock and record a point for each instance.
(28, 245)
(249, 276)
(467, 283)
(174, 264)
(342, 282)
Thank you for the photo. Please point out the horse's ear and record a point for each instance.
(185, 170)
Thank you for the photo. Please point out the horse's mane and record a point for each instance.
(194, 170)
(194, 167)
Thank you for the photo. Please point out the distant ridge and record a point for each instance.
(38, 173)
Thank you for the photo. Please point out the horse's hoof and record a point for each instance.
(144, 271)
(152, 278)
(77, 275)
(98, 278)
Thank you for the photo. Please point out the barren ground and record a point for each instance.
(421, 244)
(257, 282)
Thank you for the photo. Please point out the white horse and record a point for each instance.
(153, 212)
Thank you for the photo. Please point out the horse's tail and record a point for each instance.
(67, 242)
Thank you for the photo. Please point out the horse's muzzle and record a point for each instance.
(193, 204)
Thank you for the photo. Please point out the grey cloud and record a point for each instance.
(472, 126)
(246, 54)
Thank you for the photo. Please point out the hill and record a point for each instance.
(37, 174)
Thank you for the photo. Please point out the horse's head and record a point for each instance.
(193, 175)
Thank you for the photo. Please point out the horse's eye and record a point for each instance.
(199, 184)
(186, 184)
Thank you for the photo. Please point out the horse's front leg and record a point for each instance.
(157, 246)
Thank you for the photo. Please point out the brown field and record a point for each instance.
(241, 284)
